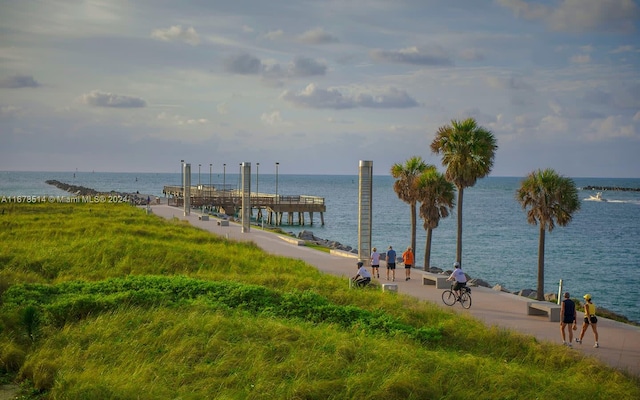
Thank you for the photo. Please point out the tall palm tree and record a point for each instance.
(550, 199)
(405, 187)
(467, 152)
(436, 200)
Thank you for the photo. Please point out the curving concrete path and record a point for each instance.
(619, 342)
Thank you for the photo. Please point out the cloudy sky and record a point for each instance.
(317, 85)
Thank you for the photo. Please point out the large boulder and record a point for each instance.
(500, 288)
(478, 282)
(530, 293)
(306, 235)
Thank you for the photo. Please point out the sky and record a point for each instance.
(317, 85)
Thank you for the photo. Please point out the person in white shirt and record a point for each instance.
(363, 277)
(459, 277)
(375, 262)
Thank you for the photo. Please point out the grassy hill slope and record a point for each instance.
(102, 301)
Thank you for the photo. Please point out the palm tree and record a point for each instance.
(467, 152)
(550, 199)
(436, 200)
(405, 187)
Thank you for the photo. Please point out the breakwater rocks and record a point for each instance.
(132, 198)
(614, 188)
(331, 244)
(77, 190)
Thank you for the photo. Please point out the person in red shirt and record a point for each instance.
(407, 259)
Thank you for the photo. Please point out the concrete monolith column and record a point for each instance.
(186, 190)
(246, 196)
(365, 193)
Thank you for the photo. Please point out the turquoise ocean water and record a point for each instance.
(597, 253)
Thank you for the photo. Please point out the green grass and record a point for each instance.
(105, 301)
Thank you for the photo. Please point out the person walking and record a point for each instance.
(567, 317)
(589, 319)
(375, 263)
(407, 259)
(391, 263)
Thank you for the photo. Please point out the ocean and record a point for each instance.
(598, 252)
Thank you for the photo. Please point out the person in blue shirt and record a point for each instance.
(391, 263)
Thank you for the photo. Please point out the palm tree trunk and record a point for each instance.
(413, 227)
(540, 289)
(459, 238)
(427, 251)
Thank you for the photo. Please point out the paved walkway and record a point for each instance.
(619, 342)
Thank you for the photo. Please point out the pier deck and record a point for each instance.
(230, 202)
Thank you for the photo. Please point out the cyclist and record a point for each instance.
(363, 277)
(459, 277)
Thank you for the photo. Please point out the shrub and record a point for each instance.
(41, 373)
(11, 357)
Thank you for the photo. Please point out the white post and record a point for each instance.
(560, 292)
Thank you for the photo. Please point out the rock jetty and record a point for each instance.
(134, 198)
(613, 188)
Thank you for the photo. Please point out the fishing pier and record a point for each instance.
(229, 202)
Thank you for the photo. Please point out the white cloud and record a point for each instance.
(435, 56)
(273, 118)
(314, 97)
(274, 35)
(179, 120)
(101, 99)
(177, 33)
(613, 127)
(625, 49)
(9, 111)
(581, 59)
(317, 36)
(553, 124)
(637, 116)
(580, 15)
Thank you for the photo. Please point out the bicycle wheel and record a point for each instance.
(448, 297)
(465, 300)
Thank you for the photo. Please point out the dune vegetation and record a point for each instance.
(103, 301)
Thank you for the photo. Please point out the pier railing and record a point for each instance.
(230, 202)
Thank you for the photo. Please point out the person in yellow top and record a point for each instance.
(407, 259)
(589, 319)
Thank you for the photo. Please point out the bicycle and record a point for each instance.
(449, 297)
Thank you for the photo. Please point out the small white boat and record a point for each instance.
(597, 197)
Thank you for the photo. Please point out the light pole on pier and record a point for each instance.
(239, 178)
(199, 165)
(210, 172)
(257, 176)
(182, 173)
(277, 165)
(224, 179)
